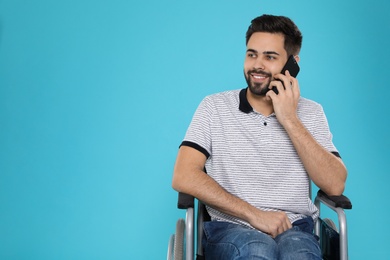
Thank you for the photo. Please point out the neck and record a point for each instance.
(261, 104)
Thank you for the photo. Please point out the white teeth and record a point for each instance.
(258, 77)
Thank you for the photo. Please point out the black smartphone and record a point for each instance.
(292, 66)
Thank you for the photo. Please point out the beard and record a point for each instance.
(259, 89)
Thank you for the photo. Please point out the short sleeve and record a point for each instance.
(198, 134)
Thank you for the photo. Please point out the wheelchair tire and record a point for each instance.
(330, 223)
(178, 247)
(170, 247)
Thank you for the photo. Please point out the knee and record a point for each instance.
(249, 244)
(231, 241)
(299, 245)
(257, 245)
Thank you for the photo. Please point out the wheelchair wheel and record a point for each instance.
(170, 247)
(178, 247)
(330, 223)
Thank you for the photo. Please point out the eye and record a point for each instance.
(252, 55)
(271, 57)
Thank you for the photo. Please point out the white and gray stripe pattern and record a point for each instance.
(252, 157)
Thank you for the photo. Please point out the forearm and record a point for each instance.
(191, 179)
(325, 169)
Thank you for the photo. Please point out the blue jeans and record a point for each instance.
(223, 240)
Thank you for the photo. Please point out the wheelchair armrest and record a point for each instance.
(338, 204)
(335, 201)
(185, 201)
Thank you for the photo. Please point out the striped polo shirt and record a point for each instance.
(251, 155)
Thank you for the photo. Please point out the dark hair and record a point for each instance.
(278, 24)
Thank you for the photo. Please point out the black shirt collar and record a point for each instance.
(244, 103)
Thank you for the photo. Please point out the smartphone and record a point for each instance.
(292, 66)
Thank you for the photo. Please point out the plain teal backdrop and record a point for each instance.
(96, 96)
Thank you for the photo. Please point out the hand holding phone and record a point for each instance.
(292, 66)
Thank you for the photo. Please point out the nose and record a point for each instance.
(258, 64)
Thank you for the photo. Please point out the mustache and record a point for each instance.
(260, 72)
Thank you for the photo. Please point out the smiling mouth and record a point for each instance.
(258, 77)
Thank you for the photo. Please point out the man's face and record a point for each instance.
(265, 57)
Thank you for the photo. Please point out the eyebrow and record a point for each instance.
(264, 52)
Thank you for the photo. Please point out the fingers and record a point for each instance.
(290, 92)
(294, 85)
(271, 222)
(280, 224)
(278, 84)
(283, 83)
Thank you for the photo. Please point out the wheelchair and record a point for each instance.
(333, 240)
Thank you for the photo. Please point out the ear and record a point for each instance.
(297, 58)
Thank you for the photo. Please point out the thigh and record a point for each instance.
(296, 244)
(226, 241)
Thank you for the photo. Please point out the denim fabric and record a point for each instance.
(228, 241)
(305, 224)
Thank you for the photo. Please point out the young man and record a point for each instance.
(260, 150)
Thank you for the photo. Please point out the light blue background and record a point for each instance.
(96, 96)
